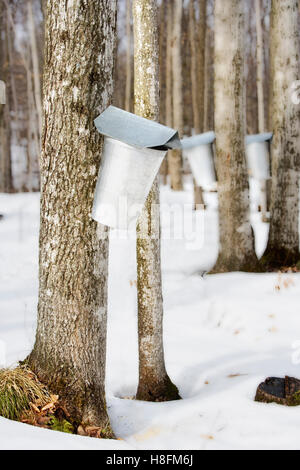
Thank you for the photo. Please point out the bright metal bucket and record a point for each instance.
(258, 160)
(126, 176)
(202, 164)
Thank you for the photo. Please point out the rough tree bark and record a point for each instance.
(175, 156)
(236, 236)
(6, 185)
(154, 383)
(70, 348)
(283, 244)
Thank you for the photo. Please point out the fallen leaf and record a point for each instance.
(208, 437)
(232, 376)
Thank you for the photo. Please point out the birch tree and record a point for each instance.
(283, 244)
(154, 383)
(236, 236)
(175, 156)
(70, 347)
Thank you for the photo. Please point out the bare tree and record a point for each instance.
(35, 65)
(70, 348)
(197, 77)
(260, 97)
(283, 245)
(169, 81)
(128, 93)
(175, 157)
(5, 153)
(236, 235)
(260, 68)
(154, 383)
(162, 76)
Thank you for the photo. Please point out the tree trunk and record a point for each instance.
(236, 236)
(197, 79)
(283, 245)
(6, 185)
(169, 76)
(209, 82)
(70, 348)
(35, 66)
(154, 383)
(175, 156)
(260, 97)
(169, 81)
(260, 68)
(162, 77)
(5, 154)
(128, 57)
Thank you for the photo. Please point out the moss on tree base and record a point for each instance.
(165, 391)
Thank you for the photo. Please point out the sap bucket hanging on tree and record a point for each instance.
(133, 151)
(199, 152)
(258, 151)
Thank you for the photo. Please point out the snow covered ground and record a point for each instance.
(224, 334)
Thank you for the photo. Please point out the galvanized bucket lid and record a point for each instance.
(197, 140)
(135, 130)
(258, 138)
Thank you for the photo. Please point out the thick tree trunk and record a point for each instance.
(175, 156)
(236, 236)
(70, 348)
(154, 383)
(283, 245)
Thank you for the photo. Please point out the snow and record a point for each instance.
(224, 334)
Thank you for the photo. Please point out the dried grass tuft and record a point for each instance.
(19, 389)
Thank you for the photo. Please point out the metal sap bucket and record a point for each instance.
(258, 155)
(133, 151)
(2, 93)
(199, 152)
